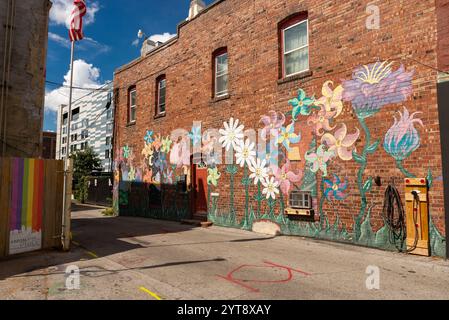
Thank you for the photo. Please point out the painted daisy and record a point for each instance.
(245, 153)
(259, 171)
(271, 188)
(232, 134)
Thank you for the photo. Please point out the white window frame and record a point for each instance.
(304, 195)
(223, 93)
(159, 88)
(131, 107)
(284, 53)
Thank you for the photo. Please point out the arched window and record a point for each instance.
(294, 45)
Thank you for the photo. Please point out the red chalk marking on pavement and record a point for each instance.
(231, 278)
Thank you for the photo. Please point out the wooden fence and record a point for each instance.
(31, 204)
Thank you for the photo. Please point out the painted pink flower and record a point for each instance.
(285, 177)
(321, 121)
(180, 153)
(273, 123)
(403, 139)
(342, 143)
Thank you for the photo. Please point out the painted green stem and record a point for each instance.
(403, 170)
(231, 200)
(322, 200)
(368, 149)
(246, 178)
(259, 198)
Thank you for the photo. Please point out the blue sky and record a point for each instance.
(110, 29)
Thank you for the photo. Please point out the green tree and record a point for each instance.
(84, 162)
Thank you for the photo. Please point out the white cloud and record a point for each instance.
(135, 43)
(85, 76)
(162, 37)
(87, 44)
(61, 10)
(65, 42)
(156, 37)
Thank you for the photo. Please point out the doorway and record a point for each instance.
(199, 191)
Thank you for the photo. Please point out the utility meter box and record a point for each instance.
(417, 212)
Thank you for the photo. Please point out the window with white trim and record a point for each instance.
(221, 74)
(132, 105)
(161, 95)
(295, 47)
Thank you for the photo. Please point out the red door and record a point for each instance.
(199, 189)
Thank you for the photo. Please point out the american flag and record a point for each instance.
(76, 20)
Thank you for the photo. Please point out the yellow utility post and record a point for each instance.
(417, 212)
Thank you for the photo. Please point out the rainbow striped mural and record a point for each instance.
(26, 204)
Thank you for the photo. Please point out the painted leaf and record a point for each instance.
(430, 178)
(358, 158)
(368, 185)
(372, 148)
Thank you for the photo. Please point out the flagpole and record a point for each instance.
(66, 217)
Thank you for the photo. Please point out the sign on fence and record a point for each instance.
(27, 181)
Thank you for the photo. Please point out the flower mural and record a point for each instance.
(149, 137)
(213, 176)
(320, 121)
(147, 153)
(166, 145)
(126, 152)
(271, 188)
(270, 154)
(371, 88)
(320, 159)
(245, 153)
(334, 189)
(195, 135)
(272, 122)
(288, 136)
(259, 171)
(376, 85)
(157, 142)
(331, 99)
(402, 139)
(232, 134)
(168, 176)
(180, 153)
(341, 143)
(285, 177)
(302, 105)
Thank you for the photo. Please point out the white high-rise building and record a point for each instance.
(92, 124)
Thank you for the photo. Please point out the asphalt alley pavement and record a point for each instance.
(134, 258)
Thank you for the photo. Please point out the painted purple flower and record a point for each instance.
(335, 188)
(273, 123)
(376, 85)
(402, 139)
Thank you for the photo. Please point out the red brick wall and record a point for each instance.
(339, 42)
(443, 34)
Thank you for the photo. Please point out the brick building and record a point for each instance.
(349, 96)
(49, 145)
(23, 54)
